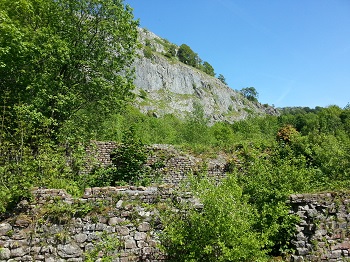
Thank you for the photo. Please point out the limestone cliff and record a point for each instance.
(164, 85)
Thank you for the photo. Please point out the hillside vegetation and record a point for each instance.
(61, 86)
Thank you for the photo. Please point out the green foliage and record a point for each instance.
(195, 129)
(60, 71)
(53, 166)
(222, 231)
(309, 155)
(268, 175)
(208, 69)
(223, 135)
(62, 213)
(222, 79)
(57, 63)
(129, 160)
(286, 133)
(105, 250)
(187, 56)
(171, 51)
(147, 52)
(250, 93)
(65, 70)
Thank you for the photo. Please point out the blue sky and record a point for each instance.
(294, 52)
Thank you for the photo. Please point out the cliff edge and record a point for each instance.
(164, 85)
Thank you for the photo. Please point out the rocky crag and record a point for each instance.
(164, 85)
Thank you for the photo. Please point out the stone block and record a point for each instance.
(343, 245)
(141, 244)
(115, 220)
(336, 254)
(26, 258)
(80, 238)
(5, 228)
(130, 244)
(144, 227)
(301, 237)
(297, 258)
(100, 227)
(147, 250)
(298, 243)
(119, 204)
(302, 251)
(19, 252)
(69, 251)
(122, 230)
(140, 236)
(5, 253)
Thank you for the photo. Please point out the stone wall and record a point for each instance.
(56, 227)
(124, 219)
(168, 164)
(323, 233)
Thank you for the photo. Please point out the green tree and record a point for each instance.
(250, 93)
(129, 159)
(222, 79)
(196, 130)
(65, 66)
(187, 56)
(208, 69)
(61, 59)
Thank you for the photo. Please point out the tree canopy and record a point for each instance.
(207, 68)
(65, 66)
(63, 58)
(222, 79)
(187, 56)
(250, 93)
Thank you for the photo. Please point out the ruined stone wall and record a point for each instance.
(54, 226)
(323, 233)
(169, 165)
(124, 219)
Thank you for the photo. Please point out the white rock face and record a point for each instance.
(167, 86)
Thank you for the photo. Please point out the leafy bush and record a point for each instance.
(147, 52)
(51, 166)
(222, 231)
(106, 249)
(128, 164)
(129, 159)
(268, 176)
(286, 133)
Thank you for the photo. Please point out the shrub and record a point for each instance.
(221, 231)
(147, 52)
(129, 160)
(286, 133)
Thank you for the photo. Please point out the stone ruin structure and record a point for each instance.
(56, 227)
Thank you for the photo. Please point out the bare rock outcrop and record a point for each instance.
(164, 85)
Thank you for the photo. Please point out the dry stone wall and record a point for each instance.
(126, 221)
(121, 219)
(323, 233)
(169, 165)
(56, 227)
